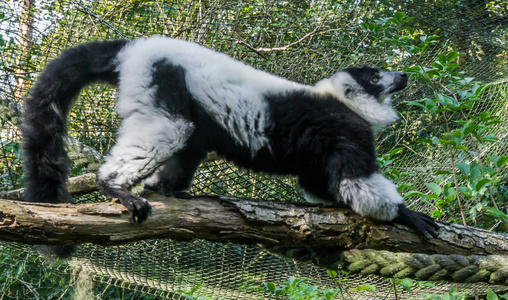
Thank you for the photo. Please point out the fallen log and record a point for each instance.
(328, 236)
(229, 219)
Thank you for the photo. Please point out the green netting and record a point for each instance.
(300, 40)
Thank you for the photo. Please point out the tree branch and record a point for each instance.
(76, 185)
(260, 50)
(328, 236)
(235, 220)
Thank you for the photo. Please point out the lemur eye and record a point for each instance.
(375, 78)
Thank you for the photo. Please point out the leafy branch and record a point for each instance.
(454, 102)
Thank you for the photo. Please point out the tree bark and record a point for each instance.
(229, 219)
(77, 185)
(332, 237)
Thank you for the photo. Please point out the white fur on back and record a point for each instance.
(231, 91)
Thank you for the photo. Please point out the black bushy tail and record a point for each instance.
(45, 117)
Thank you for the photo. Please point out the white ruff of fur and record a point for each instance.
(378, 115)
(374, 196)
(231, 91)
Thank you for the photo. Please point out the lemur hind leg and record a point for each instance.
(175, 176)
(145, 142)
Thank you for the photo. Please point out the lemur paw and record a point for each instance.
(418, 221)
(138, 208)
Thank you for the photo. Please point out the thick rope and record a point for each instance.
(453, 268)
(491, 269)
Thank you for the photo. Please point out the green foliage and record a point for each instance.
(297, 289)
(25, 274)
(191, 294)
(29, 277)
(471, 175)
(395, 174)
(10, 164)
(456, 295)
(452, 295)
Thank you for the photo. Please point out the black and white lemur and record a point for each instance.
(179, 100)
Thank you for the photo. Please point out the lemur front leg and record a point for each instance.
(138, 154)
(372, 195)
(175, 176)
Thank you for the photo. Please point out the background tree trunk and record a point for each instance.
(26, 24)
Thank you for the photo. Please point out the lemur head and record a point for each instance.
(366, 91)
(376, 83)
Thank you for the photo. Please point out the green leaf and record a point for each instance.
(413, 194)
(450, 192)
(452, 56)
(330, 293)
(438, 65)
(464, 168)
(475, 176)
(270, 286)
(482, 183)
(446, 100)
(396, 150)
(491, 295)
(408, 19)
(448, 142)
(497, 213)
(464, 190)
(331, 273)
(426, 141)
(442, 172)
(441, 61)
(501, 161)
(478, 89)
(465, 81)
(299, 281)
(489, 170)
(432, 73)
(194, 289)
(366, 287)
(415, 103)
(407, 283)
(434, 188)
(399, 16)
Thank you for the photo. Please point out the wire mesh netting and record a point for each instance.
(304, 41)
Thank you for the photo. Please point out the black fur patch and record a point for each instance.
(46, 115)
(319, 138)
(363, 76)
(45, 118)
